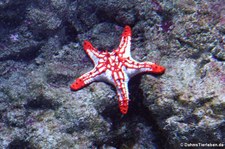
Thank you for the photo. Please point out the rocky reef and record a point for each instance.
(41, 54)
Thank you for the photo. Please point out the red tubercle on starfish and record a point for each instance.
(116, 67)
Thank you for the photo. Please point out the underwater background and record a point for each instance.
(41, 54)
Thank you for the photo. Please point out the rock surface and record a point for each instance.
(41, 54)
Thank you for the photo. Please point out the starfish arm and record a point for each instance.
(134, 67)
(87, 78)
(91, 51)
(123, 96)
(121, 83)
(125, 43)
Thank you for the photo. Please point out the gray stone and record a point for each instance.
(41, 54)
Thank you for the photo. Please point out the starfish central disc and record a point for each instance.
(116, 67)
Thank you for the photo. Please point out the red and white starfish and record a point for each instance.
(115, 67)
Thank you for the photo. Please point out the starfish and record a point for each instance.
(116, 68)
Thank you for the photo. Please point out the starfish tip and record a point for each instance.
(78, 84)
(157, 69)
(123, 105)
(87, 45)
(127, 31)
(123, 109)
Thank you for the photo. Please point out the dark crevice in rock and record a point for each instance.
(137, 107)
(190, 119)
(222, 129)
(78, 126)
(116, 137)
(137, 113)
(103, 17)
(20, 144)
(70, 32)
(167, 22)
(123, 134)
(219, 58)
(26, 54)
(41, 103)
(117, 141)
(218, 53)
(9, 13)
(111, 112)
